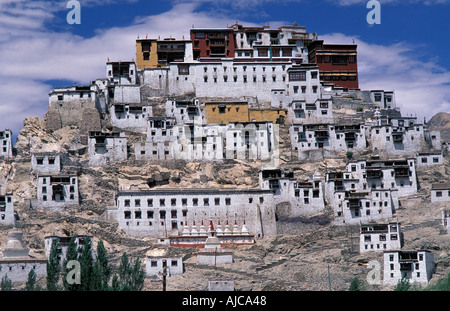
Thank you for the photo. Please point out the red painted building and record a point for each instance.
(213, 42)
(338, 63)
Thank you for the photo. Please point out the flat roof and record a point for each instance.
(442, 186)
(175, 191)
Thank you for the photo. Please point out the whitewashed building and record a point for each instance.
(16, 263)
(46, 162)
(184, 111)
(368, 190)
(296, 197)
(56, 191)
(106, 148)
(440, 192)
(6, 144)
(418, 266)
(131, 116)
(63, 244)
(250, 140)
(425, 159)
(227, 76)
(7, 210)
(446, 219)
(380, 237)
(164, 212)
(122, 72)
(316, 141)
(158, 260)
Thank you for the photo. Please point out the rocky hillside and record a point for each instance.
(441, 122)
(297, 259)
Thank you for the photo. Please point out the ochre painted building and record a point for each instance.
(223, 113)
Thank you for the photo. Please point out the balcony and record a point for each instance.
(321, 135)
(406, 266)
(351, 136)
(397, 137)
(374, 174)
(401, 172)
(301, 137)
(354, 203)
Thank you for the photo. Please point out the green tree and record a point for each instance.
(403, 285)
(30, 285)
(72, 254)
(53, 267)
(115, 283)
(86, 262)
(137, 276)
(6, 284)
(355, 285)
(131, 276)
(349, 154)
(103, 266)
(125, 273)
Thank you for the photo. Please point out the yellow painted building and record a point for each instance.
(153, 53)
(146, 53)
(223, 113)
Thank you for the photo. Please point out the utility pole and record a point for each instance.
(329, 279)
(164, 275)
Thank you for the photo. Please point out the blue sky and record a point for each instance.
(405, 53)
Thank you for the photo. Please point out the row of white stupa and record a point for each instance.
(219, 230)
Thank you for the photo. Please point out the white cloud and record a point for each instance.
(32, 57)
(421, 87)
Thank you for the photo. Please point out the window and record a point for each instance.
(162, 202)
(149, 214)
(377, 97)
(154, 263)
(199, 35)
(227, 201)
(173, 202)
(162, 214)
(173, 213)
(137, 215)
(216, 201)
(195, 202)
(127, 214)
(351, 58)
(326, 58)
(438, 194)
(127, 203)
(174, 263)
(314, 88)
(263, 52)
(183, 69)
(221, 109)
(313, 74)
(297, 76)
(206, 202)
(339, 60)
